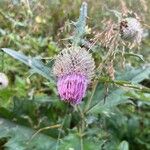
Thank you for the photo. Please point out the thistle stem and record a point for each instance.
(82, 127)
(91, 97)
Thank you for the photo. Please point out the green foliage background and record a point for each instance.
(32, 117)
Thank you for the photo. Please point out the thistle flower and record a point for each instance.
(3, 81)
(74, 69)
(131, 30)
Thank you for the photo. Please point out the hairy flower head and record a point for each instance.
(131, 30)
(74, 69)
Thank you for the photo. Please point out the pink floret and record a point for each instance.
(72, 87)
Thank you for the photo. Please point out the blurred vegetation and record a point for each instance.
(32, 117)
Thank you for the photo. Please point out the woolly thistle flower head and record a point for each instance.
(131, 30)
(3, 81)
(74, 69)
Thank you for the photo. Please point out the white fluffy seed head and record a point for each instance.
(131, 30)
(3, 81)
(74, 60)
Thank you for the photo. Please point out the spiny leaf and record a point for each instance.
(80, 24)
(118, 95)
(134, 75)
(19, 137)
(36, 64)
(115, 98)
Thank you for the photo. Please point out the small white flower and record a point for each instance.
(3, 81)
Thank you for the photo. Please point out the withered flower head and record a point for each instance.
(131, 30)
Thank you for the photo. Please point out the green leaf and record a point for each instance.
(19, 137)
(80, 24)
(73, 141)
(115, 95)
(134, 75)
(123, 145)
(135, 55)
(145, 97)
(117, 14)
(36, 64)
(14, 22)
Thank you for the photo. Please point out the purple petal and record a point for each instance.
(72, 87)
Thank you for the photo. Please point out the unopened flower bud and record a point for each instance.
(3, 81)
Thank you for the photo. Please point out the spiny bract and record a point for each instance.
(74, 69)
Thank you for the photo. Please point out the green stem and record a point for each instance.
(81, 140)
(82, 127)
(2, 62)
(59, 135)
(91, 97)
(125, 84)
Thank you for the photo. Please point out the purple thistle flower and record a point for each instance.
(72, 87)
(74, 69)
